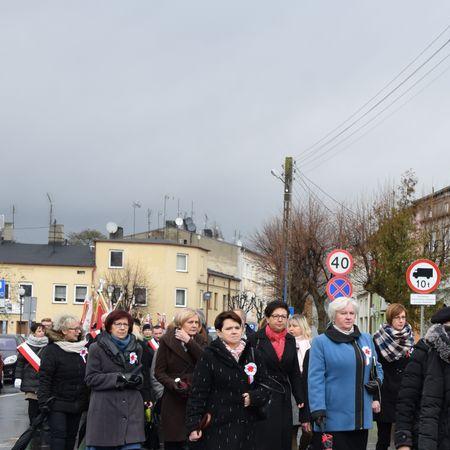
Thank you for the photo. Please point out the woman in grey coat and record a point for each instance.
(114, 373)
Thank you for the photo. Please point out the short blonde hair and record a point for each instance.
(184, 315)
(303, 324)
(341, 303)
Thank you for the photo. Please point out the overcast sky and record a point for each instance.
(107, 102)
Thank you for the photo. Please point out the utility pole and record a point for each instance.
(287, 198)
(149, 220)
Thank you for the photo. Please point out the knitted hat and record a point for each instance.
(146, 326)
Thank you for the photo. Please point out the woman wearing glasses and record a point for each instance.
(279, 355)
(114, 373)
(393, 343)
(62, 391)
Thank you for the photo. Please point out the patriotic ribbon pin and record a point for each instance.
(133, 358)
(84, 353)
(250, 369)
(368, 353)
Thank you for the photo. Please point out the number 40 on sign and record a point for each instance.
(339, 262)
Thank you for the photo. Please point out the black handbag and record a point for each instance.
(373, 386)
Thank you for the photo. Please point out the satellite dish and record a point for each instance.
(178, 222)
(111, 227)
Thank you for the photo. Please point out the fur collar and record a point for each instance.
(437, 337)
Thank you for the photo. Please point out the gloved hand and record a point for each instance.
(181, 388)
(17, 383)
(128, 380)
(319, 418)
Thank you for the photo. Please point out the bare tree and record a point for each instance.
(241, 301)
(131, 287)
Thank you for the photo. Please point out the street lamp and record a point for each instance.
(21, 294)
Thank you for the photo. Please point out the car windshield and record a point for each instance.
(7, 344)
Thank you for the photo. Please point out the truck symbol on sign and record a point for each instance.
(423, 272)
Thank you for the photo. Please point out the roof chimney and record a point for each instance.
(56, 234)
(7, 234)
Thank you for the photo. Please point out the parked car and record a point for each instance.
(8, 350)
(1, 373)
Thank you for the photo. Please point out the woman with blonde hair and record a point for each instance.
(299, 328)
(179, 350)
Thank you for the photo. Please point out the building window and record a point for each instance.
(60, 293)
(7, 291)
(28, 288)
(215, 300)
(181, 298)
(224, 304)
(182, 263)
(140, 296)
(115, 259)
(80, 294)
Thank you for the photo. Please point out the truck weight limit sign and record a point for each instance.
(339, 262)
(423, 276)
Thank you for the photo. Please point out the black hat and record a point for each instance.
(441, 316)
(146, 326)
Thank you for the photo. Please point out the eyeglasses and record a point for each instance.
(399, 317)
(278, 317)
(120, 324)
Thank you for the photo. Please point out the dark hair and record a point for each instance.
(35, 325)
(272, 306)
(116, 315)
(157, 327)
(147, 326)
(220, 319)
(136, 321)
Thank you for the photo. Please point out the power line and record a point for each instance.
(328, 195)
(320, 156)
(306, 188)
(310, 151)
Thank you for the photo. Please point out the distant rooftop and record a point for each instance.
(46, 254)
(150, 241)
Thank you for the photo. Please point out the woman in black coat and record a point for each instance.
(393, 343)
(114, 373)
(434, 425)
(279, 356)
(62, 390)
(409, 396)
(226, 385)
(27, 368)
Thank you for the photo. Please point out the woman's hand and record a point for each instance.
(246, 397)
(306, 427)
(181, 335)
(195, 435)
(300, 405)
(376, 407)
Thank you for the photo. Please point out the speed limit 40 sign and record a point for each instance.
(339, 262)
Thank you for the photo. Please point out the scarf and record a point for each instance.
(71, 347)
(278, 340)
(37, 341)
(121, 344)
(348, 333)
(394, 344)
(236, 352)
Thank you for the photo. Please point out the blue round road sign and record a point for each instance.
(339, 287)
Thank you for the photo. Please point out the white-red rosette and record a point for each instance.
(250, 370)
(133, 358)
(367, 353)
(83, 353)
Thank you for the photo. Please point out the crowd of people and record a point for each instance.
(276, 388)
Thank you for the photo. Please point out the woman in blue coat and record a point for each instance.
(339, 368)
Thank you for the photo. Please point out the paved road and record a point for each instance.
(14, 417)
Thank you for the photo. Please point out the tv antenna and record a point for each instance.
(51, 208)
